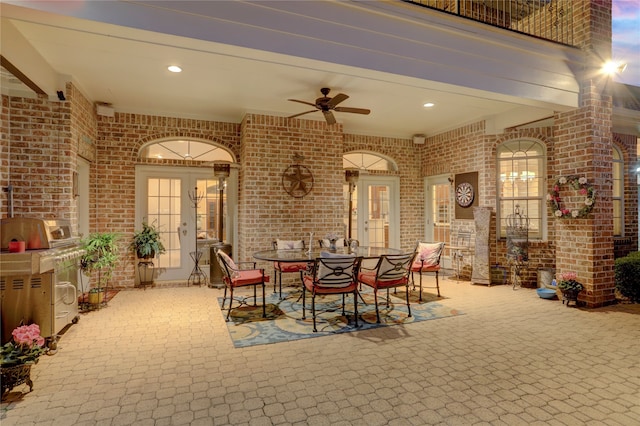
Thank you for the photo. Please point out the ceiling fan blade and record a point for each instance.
(340, 97)
(302, 113)
(302, 102)
(353, 110)
(329, 117)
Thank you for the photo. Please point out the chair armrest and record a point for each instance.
(248, 262)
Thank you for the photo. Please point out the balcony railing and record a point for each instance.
(546, 19)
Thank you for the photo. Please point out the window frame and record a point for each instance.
(617, 198)
(507, 146)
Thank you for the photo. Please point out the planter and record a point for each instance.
(14, 376)
(569, 296)
(96, 297)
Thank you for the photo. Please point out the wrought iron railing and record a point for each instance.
(547, 19)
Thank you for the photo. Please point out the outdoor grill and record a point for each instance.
(39, 285)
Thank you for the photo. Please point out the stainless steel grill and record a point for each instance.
(39, 285)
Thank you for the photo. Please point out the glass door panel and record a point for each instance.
(438, 213)
(376, 218)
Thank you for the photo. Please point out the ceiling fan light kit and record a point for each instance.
(326, 105)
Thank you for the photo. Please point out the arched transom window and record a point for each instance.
(185, 149)
(367, 161)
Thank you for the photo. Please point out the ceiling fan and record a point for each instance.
(327, 104)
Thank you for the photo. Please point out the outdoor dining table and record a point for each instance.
(304, 255)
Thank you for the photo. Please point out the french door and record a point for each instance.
(375, 212)
(438, 208)
(183, 204)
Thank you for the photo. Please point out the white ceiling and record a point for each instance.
(127, 68)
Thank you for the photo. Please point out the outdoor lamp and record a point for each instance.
(351, 176)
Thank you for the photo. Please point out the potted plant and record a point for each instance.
(569, 287)
(101, 255)
(19, 354)
(146, 243)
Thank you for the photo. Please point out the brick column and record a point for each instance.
(584, 147)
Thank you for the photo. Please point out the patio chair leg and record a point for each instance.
(255, 294)
(388, 297)
(264, 302)
(303, 302)
(414, 286)
(224, 296)
(437, 284)
(408, 304)
(280, 285)
(313, 309)
(275, 279)
(375, 296)
(230, 302)
(355, 305)
(343, 303)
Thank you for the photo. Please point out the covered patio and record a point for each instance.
(164, 356)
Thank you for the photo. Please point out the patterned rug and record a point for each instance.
(284, 317)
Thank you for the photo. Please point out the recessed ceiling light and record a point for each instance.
(428, 104)
(174, 68)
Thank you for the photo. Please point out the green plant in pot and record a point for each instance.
(569, 287)
(146, 243)
(101, 256)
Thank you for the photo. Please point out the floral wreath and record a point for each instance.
(578, 183)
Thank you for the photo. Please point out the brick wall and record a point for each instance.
(39, 157)
(118, 142)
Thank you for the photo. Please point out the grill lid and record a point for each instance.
(37, 233)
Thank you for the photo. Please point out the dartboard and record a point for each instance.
(297, 181)
(464, 194)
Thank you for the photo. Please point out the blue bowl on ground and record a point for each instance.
(546, 293)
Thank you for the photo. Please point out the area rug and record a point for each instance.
(284, 317)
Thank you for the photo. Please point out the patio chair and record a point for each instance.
(325, 243)
(330, 276)
(234, 277)
(391, 271)
(427, 260)
(287, 267)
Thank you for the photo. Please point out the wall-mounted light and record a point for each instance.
(419, 139)
(221, 171)
(351, 176)
(174, 68)
(613, 67)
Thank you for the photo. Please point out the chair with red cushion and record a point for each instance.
(234, 277)
(331, 276)
(427, 260)
(287, 267)
(391, 271)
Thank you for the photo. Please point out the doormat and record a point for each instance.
(284, 317)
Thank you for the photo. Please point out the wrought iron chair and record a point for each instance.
(330, 276)
(460, 248)
(427, 260)
(287, 267)
(234, 277)
(391, 271)
(325, 243)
